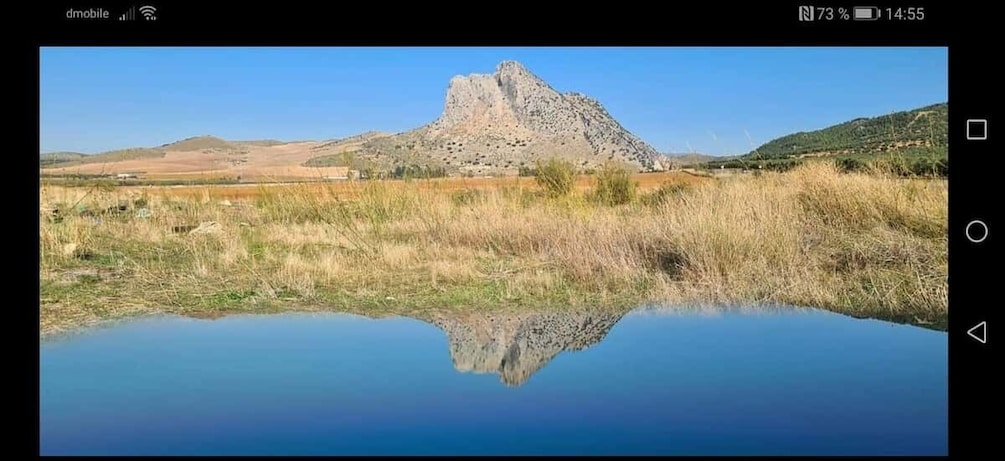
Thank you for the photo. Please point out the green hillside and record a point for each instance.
(923, 127)
(65, 159)
(679, 160)
(912, 142)
(124, 154)
(352, 160)
(198, 143)
(106, 157)
(58, 158)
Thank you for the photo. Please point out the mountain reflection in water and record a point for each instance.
(516, 345)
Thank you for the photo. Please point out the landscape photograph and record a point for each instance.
(723, 251)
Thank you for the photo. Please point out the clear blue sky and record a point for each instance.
(712, 100)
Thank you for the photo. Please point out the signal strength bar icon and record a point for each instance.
(129, 15)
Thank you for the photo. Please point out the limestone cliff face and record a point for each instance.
(515, 346)
(509, 119)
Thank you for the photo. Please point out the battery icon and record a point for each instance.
(866, 13)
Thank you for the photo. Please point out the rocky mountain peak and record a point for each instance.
(499, 122)
(510, 66)
(513, 77)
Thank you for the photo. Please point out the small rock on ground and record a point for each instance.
(208, 227)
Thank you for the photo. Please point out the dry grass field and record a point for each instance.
(867, 245)
(646, 182)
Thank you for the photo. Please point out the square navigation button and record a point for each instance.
(977, 129)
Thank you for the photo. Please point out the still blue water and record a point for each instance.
(784, 381)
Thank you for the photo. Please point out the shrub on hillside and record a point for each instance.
(907, 167)
(556, 176)
(614, 185)
(466, 196)
(931, 167)
(850, 164)
(667, 192)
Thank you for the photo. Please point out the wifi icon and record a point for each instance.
(148, 12)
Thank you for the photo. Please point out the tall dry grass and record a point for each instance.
(862, 244)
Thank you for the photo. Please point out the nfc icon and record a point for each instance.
(805, 13)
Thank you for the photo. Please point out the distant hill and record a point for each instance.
(198, 143)
(358, 138)
(349, 159)
(912, 142)
(678, 160)
(217, 159)
(261, 142)
(55, 158)
(138, 153)
(923, 127)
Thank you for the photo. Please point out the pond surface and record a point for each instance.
(723, 382)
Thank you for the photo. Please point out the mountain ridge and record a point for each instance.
(490, 124)
(925, 126)
(496, 124)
